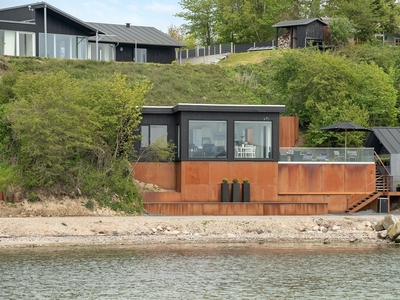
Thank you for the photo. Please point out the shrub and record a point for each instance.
(245, 180)
(235, 180)
(225, 180)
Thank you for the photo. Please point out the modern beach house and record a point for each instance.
(214, 142)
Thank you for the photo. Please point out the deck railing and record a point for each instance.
(326, 155)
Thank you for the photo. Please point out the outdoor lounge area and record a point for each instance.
(327, 155)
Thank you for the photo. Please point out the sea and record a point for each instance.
(202, 271)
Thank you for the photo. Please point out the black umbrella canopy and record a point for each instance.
(345, 126)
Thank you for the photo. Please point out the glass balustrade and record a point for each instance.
(325, 155)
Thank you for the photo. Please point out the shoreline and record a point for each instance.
(146, 230)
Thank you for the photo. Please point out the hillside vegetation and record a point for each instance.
(66, 126)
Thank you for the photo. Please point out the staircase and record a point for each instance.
(357, 201)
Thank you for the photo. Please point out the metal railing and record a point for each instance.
(224, 49)
(326, 155)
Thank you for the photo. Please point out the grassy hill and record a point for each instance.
(172, 83)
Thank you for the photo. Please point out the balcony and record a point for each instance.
(326, 155)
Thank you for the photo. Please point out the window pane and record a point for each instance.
(141, 55)
(2, 34)
(253, 139)
(82, 47)
(63, 45)
(25, 41)
(50, 45)
(207, 139)
(158, 132)
(9, 43)
(144, 131)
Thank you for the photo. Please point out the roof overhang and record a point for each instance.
(238, 108)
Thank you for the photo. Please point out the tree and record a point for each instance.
(340, 31)
(248, 21)
(316, 85)
(74, 136)
(201, 15)
(179, 34)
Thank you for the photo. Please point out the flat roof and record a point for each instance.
(213, 108)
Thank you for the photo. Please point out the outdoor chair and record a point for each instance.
(308, 157)
(352, 156)
(338, 156)
(323, 157)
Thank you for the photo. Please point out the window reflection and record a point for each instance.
(153, 133)
(207, 139)
(253, 139)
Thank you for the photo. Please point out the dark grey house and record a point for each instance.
(136, 43)
(299, 33)
(214, 131)
(40, 29)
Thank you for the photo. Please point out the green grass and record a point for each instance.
(172, 83)
(254, 57)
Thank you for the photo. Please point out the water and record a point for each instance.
(231, 271)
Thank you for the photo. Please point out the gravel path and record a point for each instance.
(52, 231)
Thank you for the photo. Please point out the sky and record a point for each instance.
(153, 13)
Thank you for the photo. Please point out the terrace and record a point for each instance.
(326, 155)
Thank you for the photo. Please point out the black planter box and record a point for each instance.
(246, 192)
(225, 192)
(235, 192)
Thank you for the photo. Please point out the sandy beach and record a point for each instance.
(126, 230)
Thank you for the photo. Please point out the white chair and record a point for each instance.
(239, 151)
(249, 151)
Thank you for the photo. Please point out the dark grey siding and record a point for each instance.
(162, 55)
(19, 14)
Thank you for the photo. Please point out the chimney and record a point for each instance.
(128, 25)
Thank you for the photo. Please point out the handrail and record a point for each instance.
(380, 162)
(354, 198)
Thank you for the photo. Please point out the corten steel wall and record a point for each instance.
(284, 184)
(331, 183)
(200, 181)
(242, 209)
(288, 131)
(161, 174)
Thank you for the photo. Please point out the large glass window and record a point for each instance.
(207, 139)
(63, 46)
(7, 42)
(152, 133)
(141, 55)
(106, 51)
(253, 139)
(25, 44)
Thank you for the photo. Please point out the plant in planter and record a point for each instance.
(235, 190)
(398, 187)
(246, 190)
(225, 190)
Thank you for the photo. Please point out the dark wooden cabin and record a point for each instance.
(300, 33)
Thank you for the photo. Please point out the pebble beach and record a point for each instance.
(139, 230)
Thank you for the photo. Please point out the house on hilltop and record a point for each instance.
(42, 30)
